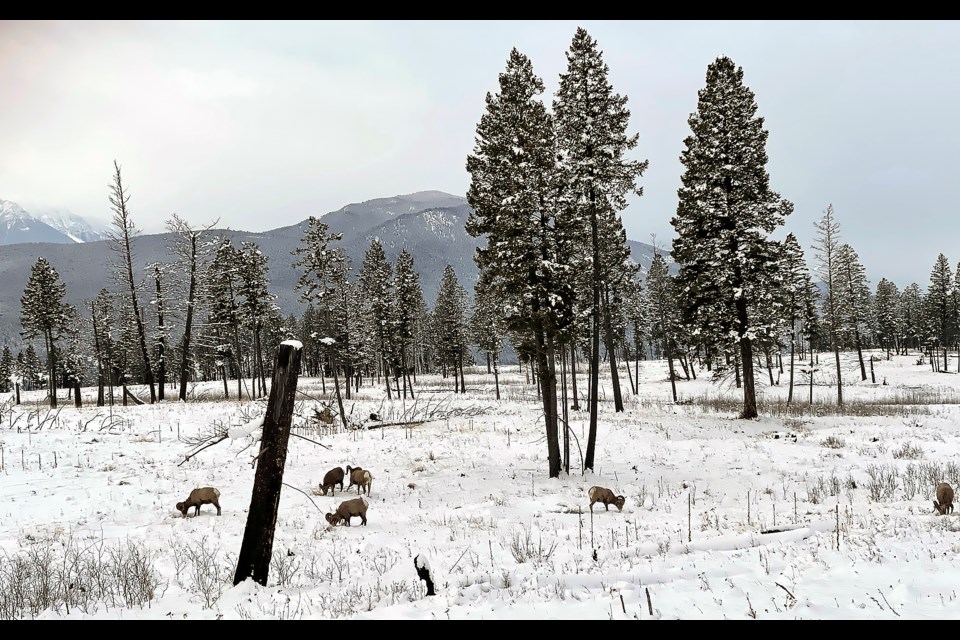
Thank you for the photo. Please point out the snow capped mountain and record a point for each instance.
(77, 228)
(17, 226)
(44, 224)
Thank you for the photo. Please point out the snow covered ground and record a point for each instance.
(89, 528)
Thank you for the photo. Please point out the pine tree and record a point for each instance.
(488, 325)
(939, 301)
(120, 239)
(376, 284)
(256, 305)
(31, 369)
(725, 215)
(827, 245)
(591, 125)
(513, 191)
(222, 293)
(322, 266)
(911, 311)
(854, 298)
(163, 330)
(889, 318)
(102, 318)
(409, 307)
(192, 248)
(6, 370)
(799, 298)
(663, 311)
(44, 314)
(450, 312)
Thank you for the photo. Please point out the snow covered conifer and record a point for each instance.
(591, 129)
(45, 314)
(514, 191)
(726, 213)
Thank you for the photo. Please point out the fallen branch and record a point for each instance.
(206, 446)
(130, 395)
(413, 423)
(297, 435)
(304, 493)
(888, 604)
(793, 597)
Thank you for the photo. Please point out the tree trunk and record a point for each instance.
(633, 387)
(793, 340)
(188, 325)
(873, 377)
(161, 339)
(673, 376)
(736, 371)
(566, 422)
(863, 369)
(548, 383)
(769, 365)
(573, 374)
(256, 550)
(77, 402)
(836, 353)
(51, 369)
(811, 375)
(611, 353)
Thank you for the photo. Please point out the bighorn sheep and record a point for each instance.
(206, 495)
(944, 502)
(333, 477)
(599, 494)
(349, 509)
(360, 477)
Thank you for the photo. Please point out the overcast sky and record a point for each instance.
(264, 123)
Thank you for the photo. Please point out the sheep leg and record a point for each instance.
(364, 518)
(606, 506)
(217, 505)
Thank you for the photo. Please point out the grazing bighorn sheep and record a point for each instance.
(205, 495)
(349, 509)
(359, 477)
(332, 477)
(600, 494)
(944, 502)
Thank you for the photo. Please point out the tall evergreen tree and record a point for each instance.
(513, 192)
(450, 315)
(827, 246)
(321, 267)
(663, 311)
(940, 313)
(799, 297)
(409, 306)
(222, 293)
(726, 212)
(45, 314)
(591, 128)
(6, 370)
(911, 311)
(889, 318)
(487, 324)
(256, 305)
(120, 238)
(376, 277)
(192, 248)
(854, 299)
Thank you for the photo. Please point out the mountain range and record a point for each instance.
(430, 224)
(45, 224)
